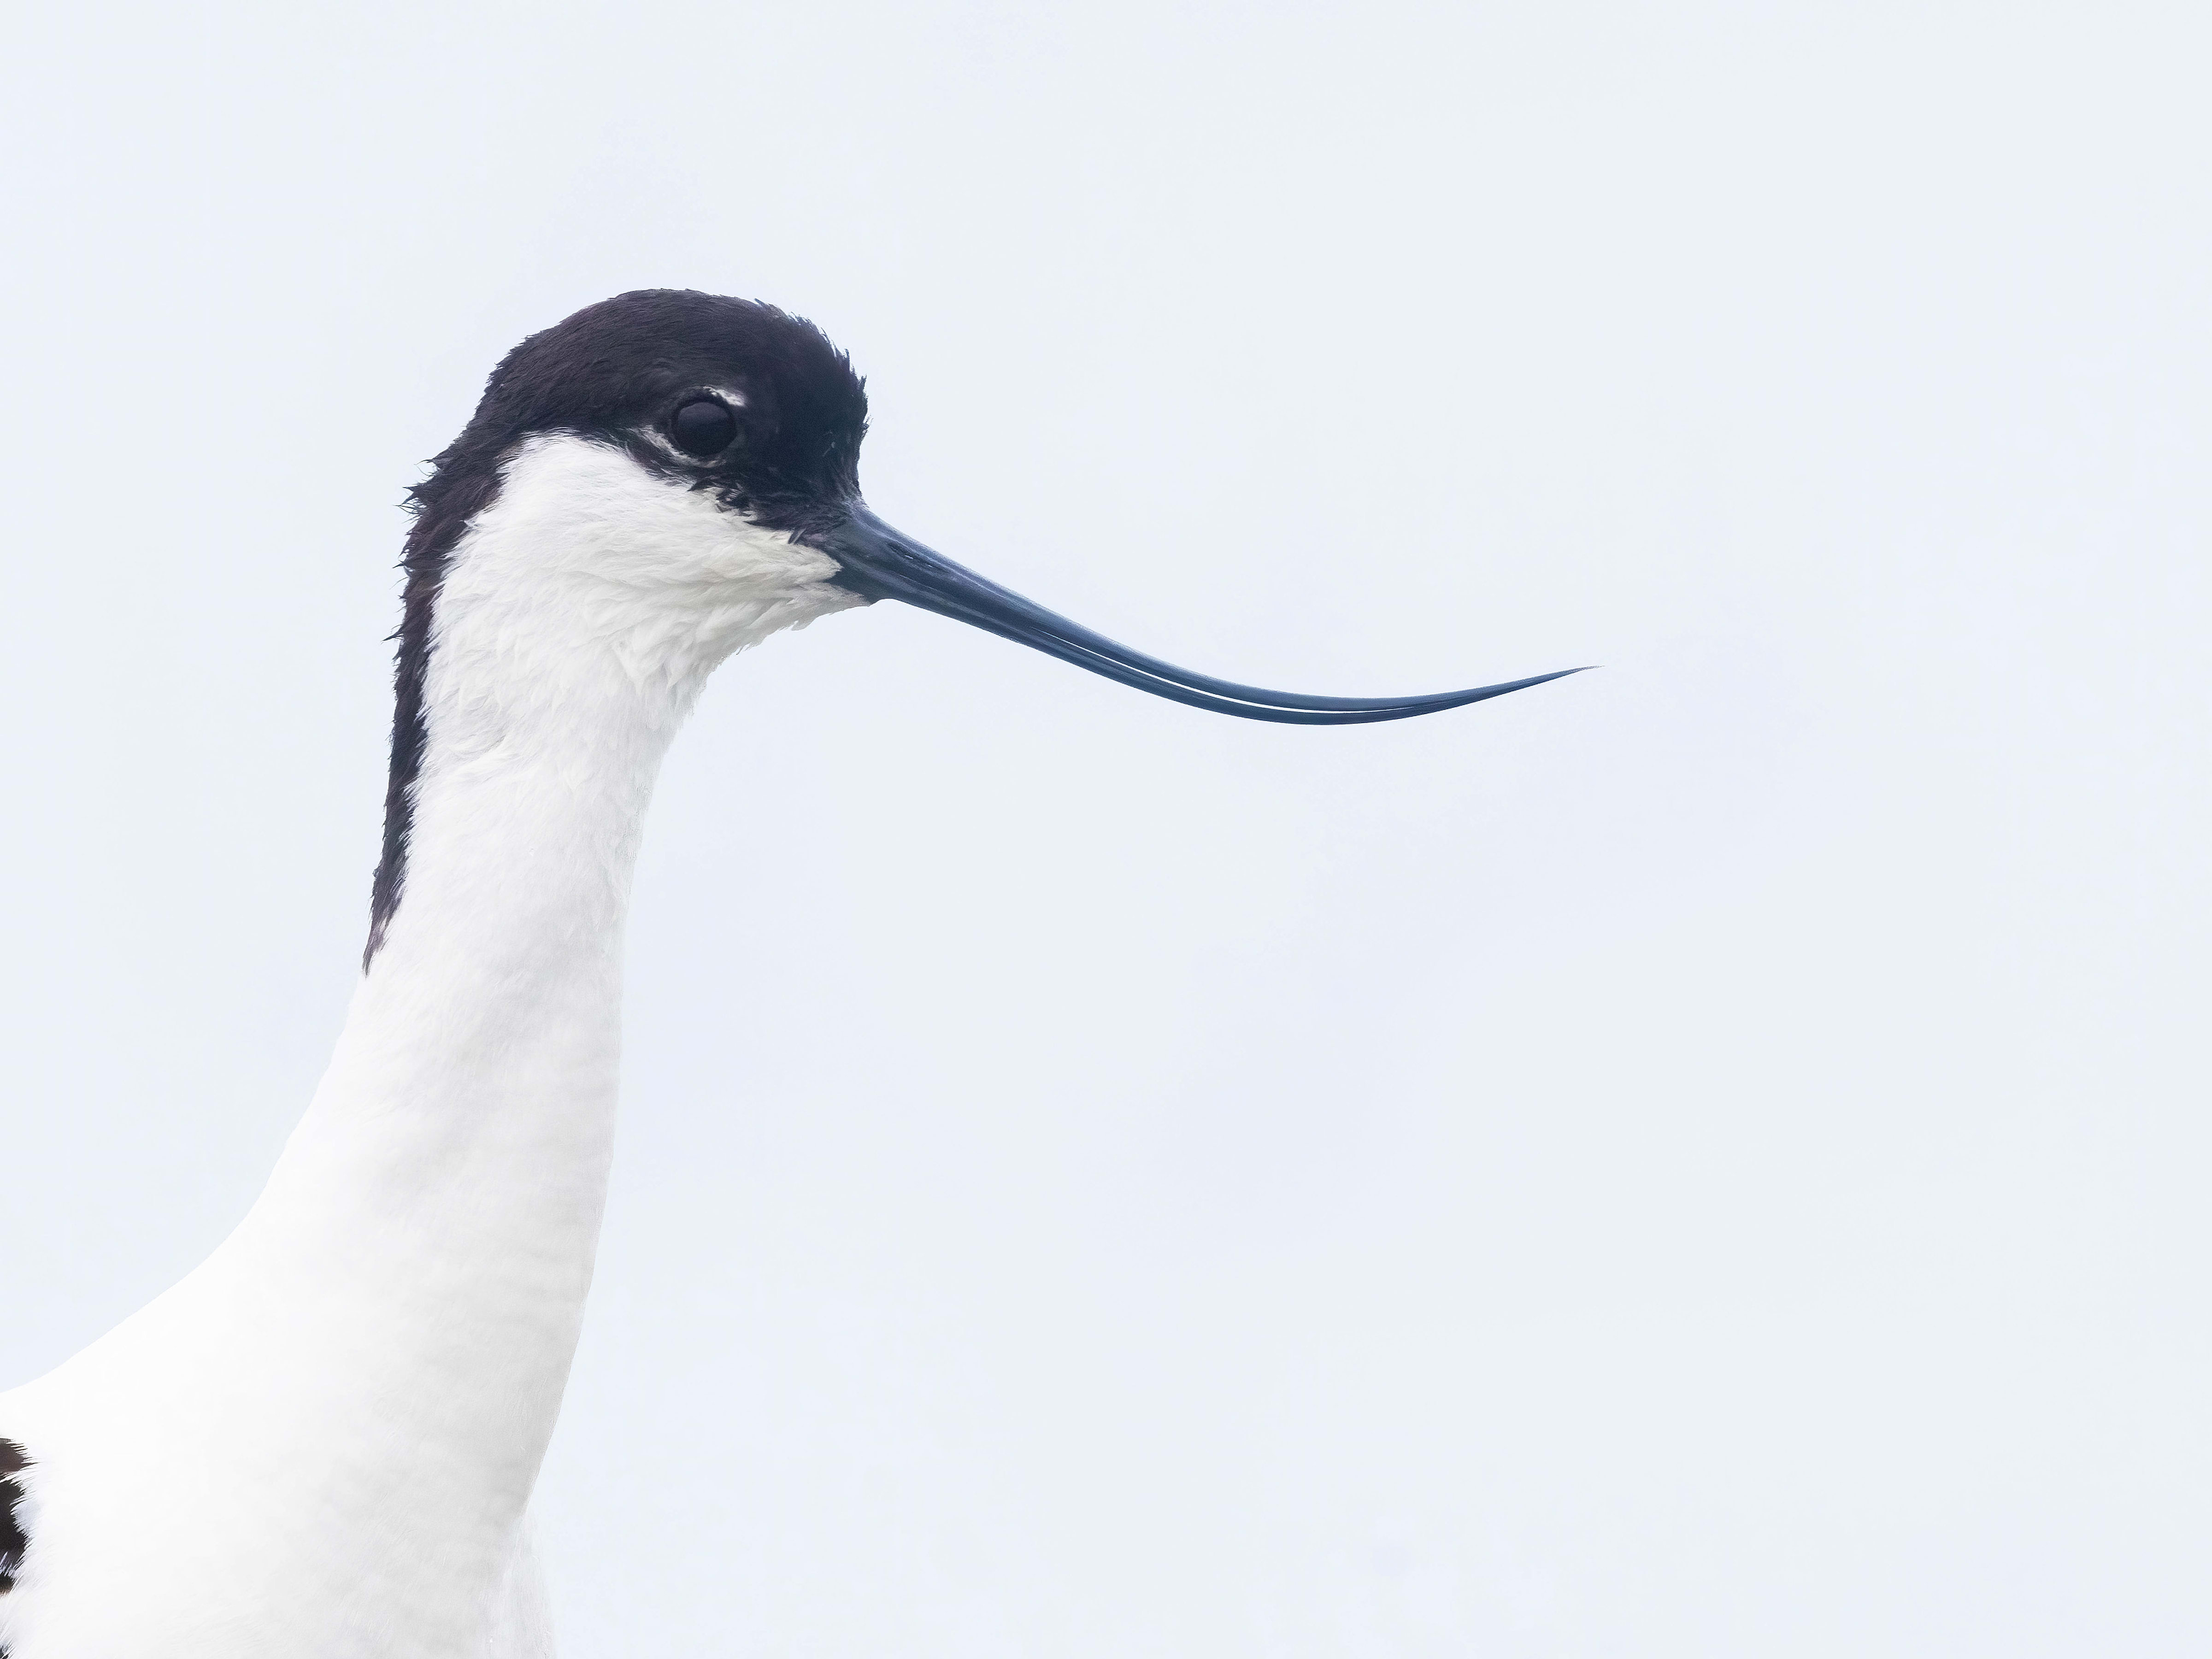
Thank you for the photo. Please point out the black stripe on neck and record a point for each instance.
(444, 506)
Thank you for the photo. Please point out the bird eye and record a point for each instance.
(702, 428)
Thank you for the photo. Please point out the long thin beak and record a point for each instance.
(878, 562)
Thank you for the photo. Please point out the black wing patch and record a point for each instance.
(13, 1462)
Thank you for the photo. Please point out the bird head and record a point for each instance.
(717, 444)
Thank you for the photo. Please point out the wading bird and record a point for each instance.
(321, 1444)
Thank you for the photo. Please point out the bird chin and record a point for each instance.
(741, 621)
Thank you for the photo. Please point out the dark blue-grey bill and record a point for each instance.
(877, 561)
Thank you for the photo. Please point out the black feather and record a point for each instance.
(13, 1462)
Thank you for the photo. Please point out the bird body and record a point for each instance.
(321, 1444)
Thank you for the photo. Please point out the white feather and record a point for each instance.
(320, 1444)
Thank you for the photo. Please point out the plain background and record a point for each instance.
(1704, 1159)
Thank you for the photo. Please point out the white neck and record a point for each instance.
(462, 1133)
(386, 1339)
